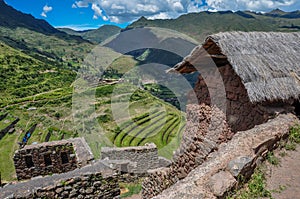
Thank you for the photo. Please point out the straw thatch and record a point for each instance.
(267, 63)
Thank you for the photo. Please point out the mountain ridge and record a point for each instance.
(200, 25)
(94, 35)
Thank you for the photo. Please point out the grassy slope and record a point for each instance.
(48, 88)
(46, 48)
(200, 25)
(96, 36)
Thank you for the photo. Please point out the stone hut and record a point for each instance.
(51, 157)
(251, 76)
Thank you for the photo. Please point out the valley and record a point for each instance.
(39, 64)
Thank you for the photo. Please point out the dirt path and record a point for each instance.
(285, 178)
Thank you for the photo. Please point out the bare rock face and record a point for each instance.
(239, 165)
(221, 182)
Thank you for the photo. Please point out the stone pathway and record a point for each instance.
(286, 175)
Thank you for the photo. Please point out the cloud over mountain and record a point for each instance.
(120, 11)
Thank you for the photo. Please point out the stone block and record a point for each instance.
(239, 165)
(221, 182)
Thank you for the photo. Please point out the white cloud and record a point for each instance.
(79, 27)
(46, 9)
(255, 5)
(120, 11)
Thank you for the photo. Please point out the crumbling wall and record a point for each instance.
(206, 128)
(92, 181)
(240, 112)
(135, 159)
(44, 160)
(86, 186)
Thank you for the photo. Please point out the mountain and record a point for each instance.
(37, 38)
(200, 25)
(282, 14)
(11, 18)
(95, 36)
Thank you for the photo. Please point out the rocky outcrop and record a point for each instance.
(239, 157)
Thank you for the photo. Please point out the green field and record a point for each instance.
(47, 101)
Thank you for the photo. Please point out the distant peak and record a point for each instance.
(277, 11)
(143, 19)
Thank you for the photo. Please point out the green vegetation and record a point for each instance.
(293, 139)
(96, 36)
(38, 65)
(200, 25)
(254, 188)
(131, 189)
(272, 159)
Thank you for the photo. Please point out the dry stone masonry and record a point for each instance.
(206, 128)
(241, 113)
(92, 181)
(134, 159)
(51, 157)
(238, 157)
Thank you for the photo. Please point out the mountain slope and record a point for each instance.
(95, 36)
(200, 25)
(11, 18)
(39, 39)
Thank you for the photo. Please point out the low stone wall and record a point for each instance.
(133, 159)
(9, 128)
(206, 128)
(87, 186)
(239, 157)
(93, 181)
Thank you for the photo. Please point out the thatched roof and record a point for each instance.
(267, 63)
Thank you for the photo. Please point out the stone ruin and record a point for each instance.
(51, 157)
(206, 129)
(70, 171)
(135, 160)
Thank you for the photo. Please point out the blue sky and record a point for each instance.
(86, 14)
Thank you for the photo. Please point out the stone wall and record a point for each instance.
(9, 128)
(92, 181)
(45, 160)
(220, 172)
(241, 113)
(87, 186)
(206, 128)
(52, 157)
(133, 159)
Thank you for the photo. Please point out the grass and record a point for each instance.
(8, 145)
(272, 159)
(293, 139)
(255, 188)
(131, 188)
(47, 86)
